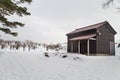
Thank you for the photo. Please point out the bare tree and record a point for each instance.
(58, 47)
(109, 3)
(23, 45)
(3, 45)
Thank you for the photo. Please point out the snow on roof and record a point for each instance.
(94, 26)
(83, 37)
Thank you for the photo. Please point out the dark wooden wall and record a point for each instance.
(93, 46)
(68, 45)
(75, 46)
(83, 46)
(103, 40)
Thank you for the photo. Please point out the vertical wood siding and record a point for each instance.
(103, 40)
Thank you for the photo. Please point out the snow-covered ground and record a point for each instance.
(33, 65)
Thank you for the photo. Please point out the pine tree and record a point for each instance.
(9, 8)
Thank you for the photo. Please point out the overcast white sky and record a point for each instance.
(50, 20)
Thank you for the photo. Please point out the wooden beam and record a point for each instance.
(79, 46)
(71, 46)
(88, 47)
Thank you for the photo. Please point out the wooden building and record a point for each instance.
(97, 39)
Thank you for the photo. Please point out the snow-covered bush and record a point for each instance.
(55, 47)
(58, 47)
(76, 58)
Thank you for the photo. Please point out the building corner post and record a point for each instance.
(79, 46)
(88, 47)
(71, 46)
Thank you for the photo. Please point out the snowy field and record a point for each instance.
(33, 65)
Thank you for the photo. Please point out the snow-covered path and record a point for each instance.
(35, 66)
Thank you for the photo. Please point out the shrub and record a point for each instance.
(46, 54)
(64, 56)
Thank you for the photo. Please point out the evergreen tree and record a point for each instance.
(9, 8)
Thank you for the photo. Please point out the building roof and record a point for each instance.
(83, 37)
(94, 26)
